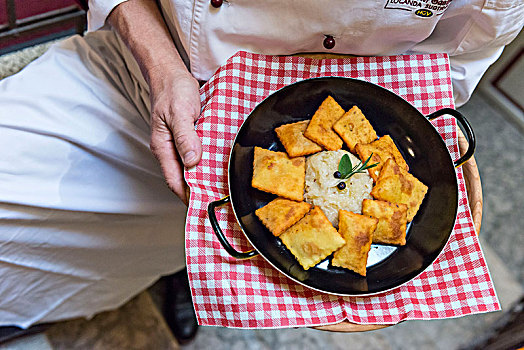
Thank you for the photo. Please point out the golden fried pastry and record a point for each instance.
(382, 149)
(357, 230)
(276, 173)
(281, 213)
(354, 128)
(390, 168)
(312, 238)
(292, 138)
(320, 129)
(398, 186)
(392, 220)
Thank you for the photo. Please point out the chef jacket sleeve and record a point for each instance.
(468, 69)
(98, 12)
(497, 24)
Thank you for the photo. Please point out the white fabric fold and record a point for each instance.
(86, 220)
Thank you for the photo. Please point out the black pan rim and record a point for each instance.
(429, 127)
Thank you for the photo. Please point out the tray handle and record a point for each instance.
(220, 235)
(470, 136)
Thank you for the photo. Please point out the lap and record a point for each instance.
(74, 126)
(83, 204)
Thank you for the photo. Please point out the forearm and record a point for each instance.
(141, 26)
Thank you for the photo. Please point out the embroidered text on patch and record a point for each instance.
(422, 8)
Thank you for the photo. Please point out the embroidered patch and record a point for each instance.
(424, 13)
(421, 8)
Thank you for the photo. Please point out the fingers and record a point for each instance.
(186, 140)
(174, 142)
(163, 148)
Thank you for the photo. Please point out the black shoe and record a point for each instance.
(178, 310)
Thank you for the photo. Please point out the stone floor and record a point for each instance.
(499, 157)
(138, 324)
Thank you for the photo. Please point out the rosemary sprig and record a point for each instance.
(347, 169)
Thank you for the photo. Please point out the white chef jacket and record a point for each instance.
(86, 221)
(472, 32)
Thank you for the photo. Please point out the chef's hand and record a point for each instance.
(175, 100)
(175, 106)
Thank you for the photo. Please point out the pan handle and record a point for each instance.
(220, 235)
(470, 136)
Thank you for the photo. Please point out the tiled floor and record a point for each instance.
(135, 326)
(138, 325)
(499, 156)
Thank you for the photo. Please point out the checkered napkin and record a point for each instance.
(251, 293)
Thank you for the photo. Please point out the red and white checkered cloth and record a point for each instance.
(251, 293)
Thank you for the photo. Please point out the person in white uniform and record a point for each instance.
(86, 218)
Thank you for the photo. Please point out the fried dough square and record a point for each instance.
(320, 129)
(276, 173)
(354, 128)
(398, 186)
(312, 238)
(392, 220)
(382, 149)
(281, 213)
(357, 230)
(294, 141)
(390, 168)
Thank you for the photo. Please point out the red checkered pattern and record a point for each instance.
(252, 294)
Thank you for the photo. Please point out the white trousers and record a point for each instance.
(86, 220)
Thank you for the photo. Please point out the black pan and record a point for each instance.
(418, 141)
